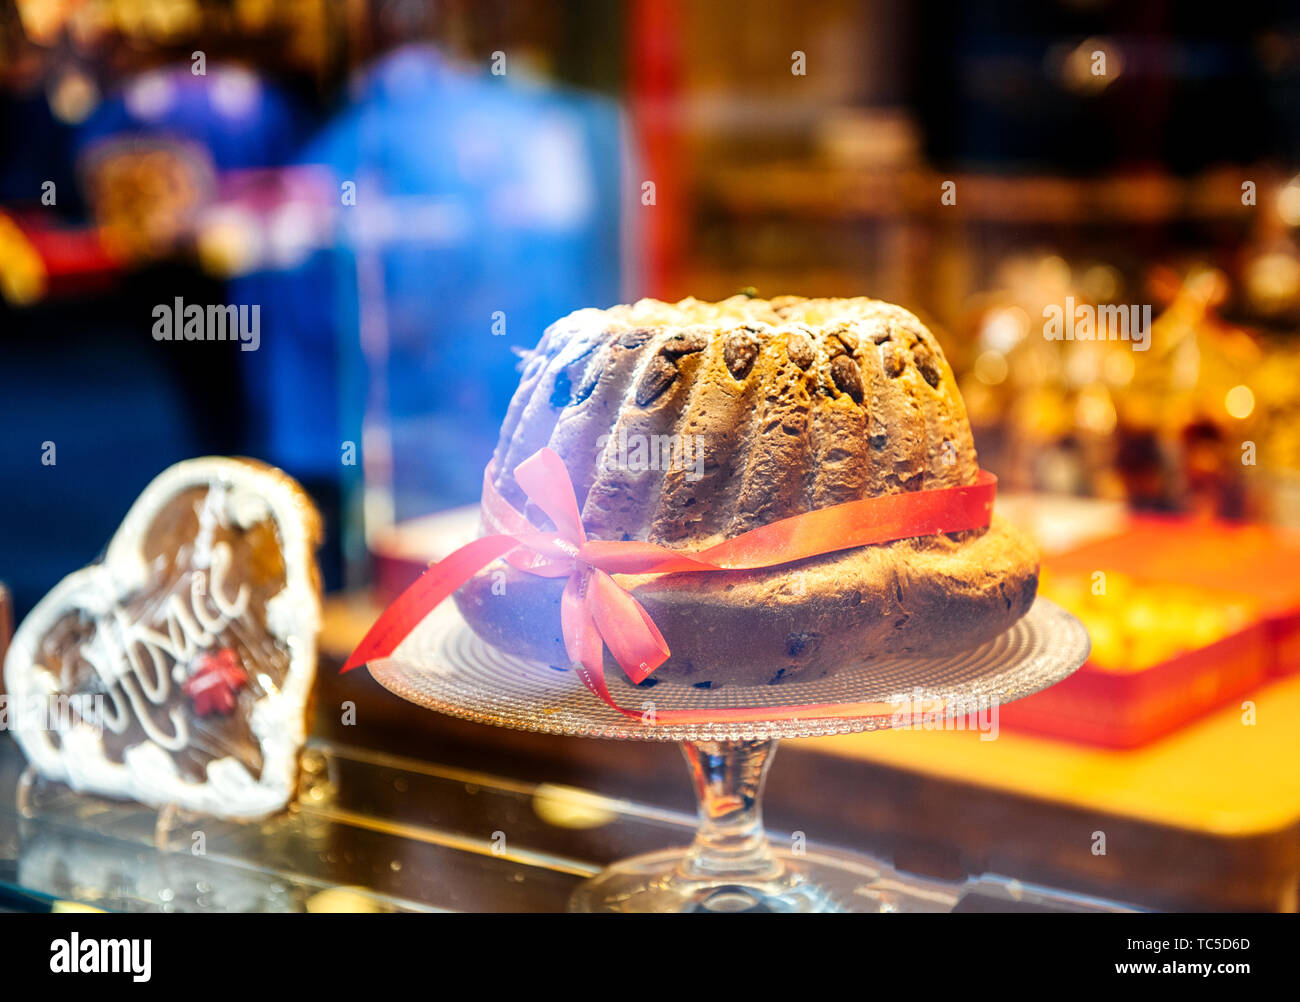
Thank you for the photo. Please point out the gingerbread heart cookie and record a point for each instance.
(177, 669)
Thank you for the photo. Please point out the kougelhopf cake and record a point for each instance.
(685, 424)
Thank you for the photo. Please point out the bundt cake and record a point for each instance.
(688, 423)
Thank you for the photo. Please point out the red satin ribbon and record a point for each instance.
(597, 612)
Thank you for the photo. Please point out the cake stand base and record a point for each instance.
(732, 867)
(811, 882)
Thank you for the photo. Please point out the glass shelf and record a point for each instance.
(372, 832)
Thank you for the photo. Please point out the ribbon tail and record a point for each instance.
(593, 677)
(581, 637)
(429, 590)
(626, 628)
(583, 644)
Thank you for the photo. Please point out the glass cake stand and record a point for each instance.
(731, 866)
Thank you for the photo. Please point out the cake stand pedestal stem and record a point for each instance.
(731, 867)
(728, 777)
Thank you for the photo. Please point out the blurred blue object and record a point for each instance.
(484, 210)
(84, 374)
(239, 118)
(111, 409)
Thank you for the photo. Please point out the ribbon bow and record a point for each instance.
(597, 612)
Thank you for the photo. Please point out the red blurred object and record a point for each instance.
(401, 553)
(216, 680)
(654, 91)
(1261, 562)
(74, 259)
(1126, 709)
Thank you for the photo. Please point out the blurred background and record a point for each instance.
(412, 191)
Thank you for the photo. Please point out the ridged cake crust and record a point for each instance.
(793, 404)
(796, 404)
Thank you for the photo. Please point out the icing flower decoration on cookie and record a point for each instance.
(215, 682)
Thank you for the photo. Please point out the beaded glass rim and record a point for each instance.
(443, 665)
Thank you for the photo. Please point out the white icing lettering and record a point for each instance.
(115, 652)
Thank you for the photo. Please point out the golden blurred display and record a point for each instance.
(146, 199)
(1135, 626)
(1185, 419)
